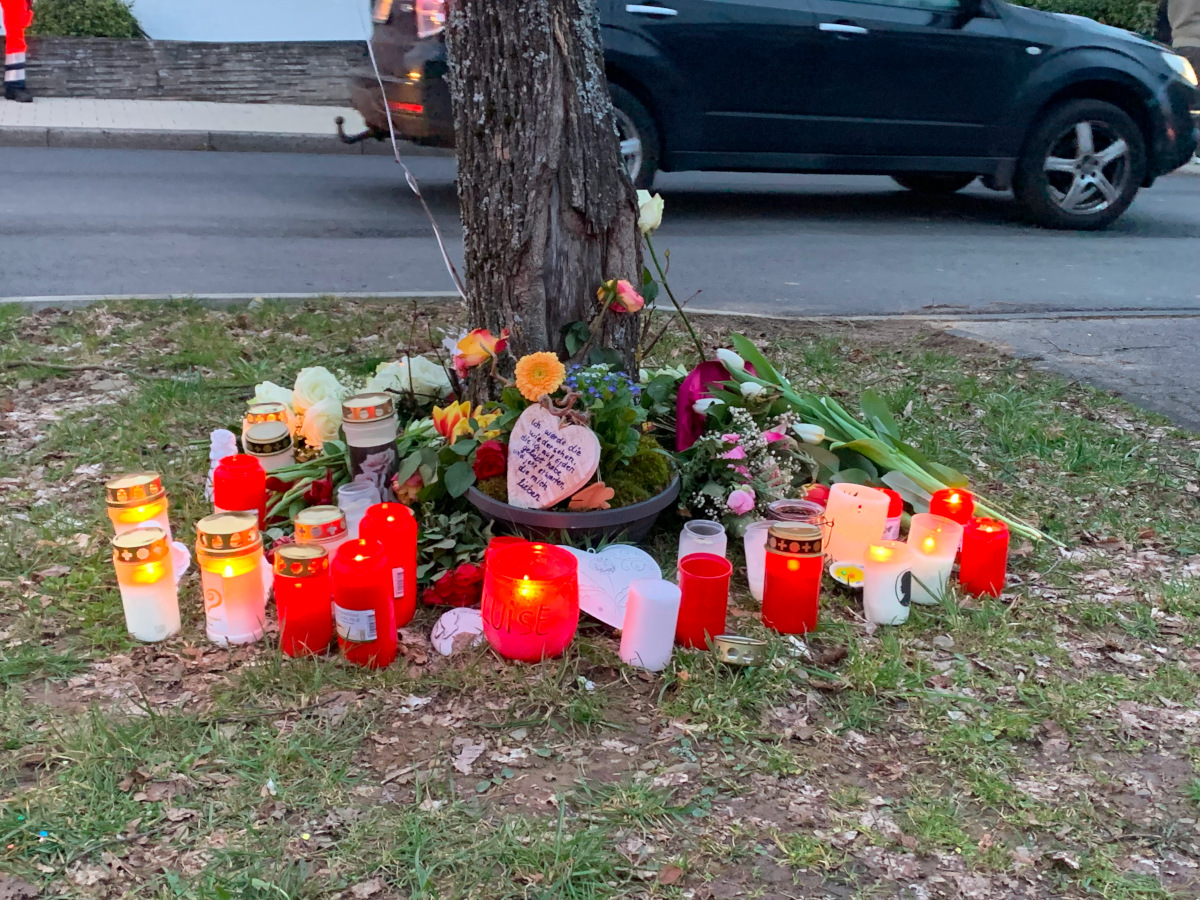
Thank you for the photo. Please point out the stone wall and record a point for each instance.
(307, 72)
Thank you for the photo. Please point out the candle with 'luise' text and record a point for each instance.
(530, 601)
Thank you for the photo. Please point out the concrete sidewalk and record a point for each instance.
(184, 125)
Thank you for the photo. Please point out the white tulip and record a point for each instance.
(321, 422)
(752, 390)
(425, 379)
(702, 405)
(313, 385)
(732, 361)
(650, 211)
(810, 434)
(270, 392)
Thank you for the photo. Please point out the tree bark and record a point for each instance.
(548, 211)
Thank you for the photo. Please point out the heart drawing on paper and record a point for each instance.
(604, 579)
(548, 461)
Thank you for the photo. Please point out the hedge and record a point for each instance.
(85, 18)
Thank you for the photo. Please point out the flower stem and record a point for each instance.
(662, 276)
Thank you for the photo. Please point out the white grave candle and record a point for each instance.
(142, 559)
(855, 517)
(702, 536)
(934, 541)
(755, 543)
(651, 613)
(233, 577)
(886, 583)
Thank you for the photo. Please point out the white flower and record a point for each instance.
(321, 422)
(702, 405)
(650, 211)
(270, 392)
(732, 361)
(313, 385)
(427, 380)
(810, 434)
(752, 390)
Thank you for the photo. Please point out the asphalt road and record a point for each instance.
(143, 222)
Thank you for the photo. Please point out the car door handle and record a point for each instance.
(644, 9)
(842, 28)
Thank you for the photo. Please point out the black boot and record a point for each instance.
(20, 94)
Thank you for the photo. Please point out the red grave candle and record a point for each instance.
(530, 600)
(395, 526)
(704, 599)
(302, 592)
(501, 540)
(955, 504)
(984, 562)
(792, 583)
(363, 607)
(240, 485)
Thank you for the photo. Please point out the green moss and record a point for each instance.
(496, 488)
(646, 474)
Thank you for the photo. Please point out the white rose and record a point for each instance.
(321, 422)
(732, 361)
(810, 434)
(751, 390)
(650, 211)
(270, 392)
(426, 379)
(702, 405)
(313, 385)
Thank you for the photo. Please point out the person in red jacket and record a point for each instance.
(18, 15)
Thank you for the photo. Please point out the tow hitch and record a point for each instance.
(353, 138)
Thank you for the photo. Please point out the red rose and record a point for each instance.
(817, 493)
(468, 585)
(491, 460)
(320, 492)
(438, 593)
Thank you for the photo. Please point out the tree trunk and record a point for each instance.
(548, 211)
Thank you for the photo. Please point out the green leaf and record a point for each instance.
(408, 467)
(650, 291)
(575, 336)
(464, 446)
(853, 476)
(878, 414)
(459, 477)
(747, 351)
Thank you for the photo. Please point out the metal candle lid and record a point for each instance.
(739, 651)
(794, 539)
(134, 489)
(320, 523)
(232, 533)
(301, 560)
(141, 545)
(267, 438)
(368, 408)
(267, 411)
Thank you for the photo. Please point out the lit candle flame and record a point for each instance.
(880, 554)
(929, 544)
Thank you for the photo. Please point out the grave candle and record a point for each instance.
(268, 411)
(354, 499)
(530, 601)
(754, 542)
(887, 583)
(934, 542)
(792, 586)
(704, 599)
(137, 501)
(271, 444)
(370, 424)
(501, 540)
(891, 530)
(855, 517)
(651, 613)
(395, 526)
(302, 592)
(229, 553)
(702, 536)
(240, 485)
(324, 525)
(363, 607)
(146, 578)
(984, 564)
(955, 504)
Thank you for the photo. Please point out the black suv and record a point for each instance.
(1072, 115)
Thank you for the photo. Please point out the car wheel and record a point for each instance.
(934, 184)
(1082, 166)
(639, 137)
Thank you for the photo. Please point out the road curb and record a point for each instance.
(225, 301)
(220, 141)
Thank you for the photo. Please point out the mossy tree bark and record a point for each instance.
(547, 209)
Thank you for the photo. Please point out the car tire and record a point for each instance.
(946, 184)
(1081, 167)
(634, 123)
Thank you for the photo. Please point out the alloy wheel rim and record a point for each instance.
(1087, 168)
(631, 144)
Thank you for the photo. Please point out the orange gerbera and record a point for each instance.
(538, 374)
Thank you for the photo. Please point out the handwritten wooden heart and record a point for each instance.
(604, 579)
(548, 463)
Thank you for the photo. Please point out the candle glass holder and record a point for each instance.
(146, 578)
(324, 525)
(704, 599)
(137, 500)
(955, 504)
(230, 556)
(702, 536)
(855, 518)
(267, 411)
(354, 499)
(240, 485)
(891, 530)
(530, 601)
(754, 542)
(395, 526)
(648, 631)
(934, 542)
(792, 586)
(363, 608)
(805, 511)
(302, 592)
(271, 444)
(983, 568)
(887, 583)
(370, 425)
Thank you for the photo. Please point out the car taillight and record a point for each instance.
(382, 12)
(431, 17)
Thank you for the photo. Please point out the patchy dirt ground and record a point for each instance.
(1041, 745)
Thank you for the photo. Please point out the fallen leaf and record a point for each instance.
(669, 874)
(13, 888)
(51, 572)
(467, 756)
(365, 889)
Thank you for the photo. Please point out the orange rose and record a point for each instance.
(620, 295)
